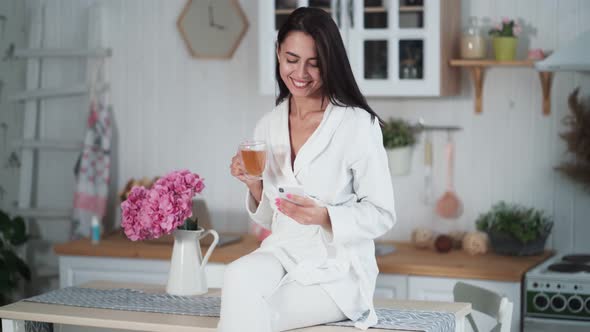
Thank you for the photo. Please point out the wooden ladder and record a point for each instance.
(34, 97)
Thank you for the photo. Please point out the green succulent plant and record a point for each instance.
(525, 224)
(12, 268)
(398, 133)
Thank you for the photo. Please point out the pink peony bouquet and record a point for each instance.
(151, 213)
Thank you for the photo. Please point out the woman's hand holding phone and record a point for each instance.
(293, 203)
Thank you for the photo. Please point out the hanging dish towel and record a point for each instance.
(92, 168)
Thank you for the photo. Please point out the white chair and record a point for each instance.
(487, 302)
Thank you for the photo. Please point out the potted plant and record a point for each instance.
(399, 138)
(504, 39)
(515, 230)
(12, 268)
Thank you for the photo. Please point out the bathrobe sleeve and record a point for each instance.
(261, 214)
(373, 212)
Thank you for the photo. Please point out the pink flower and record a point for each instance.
(149, 214)
(506, 20)
(517, 29)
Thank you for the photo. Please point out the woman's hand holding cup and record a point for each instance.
(238, 170)
(254, 153)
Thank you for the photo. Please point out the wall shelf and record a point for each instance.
(478, 67)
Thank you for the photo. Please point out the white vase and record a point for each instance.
(187, 266)
(400, 160)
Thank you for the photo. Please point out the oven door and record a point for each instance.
(553, 325)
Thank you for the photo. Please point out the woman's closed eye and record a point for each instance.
(313, 63)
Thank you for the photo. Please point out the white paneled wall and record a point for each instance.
(173, 111)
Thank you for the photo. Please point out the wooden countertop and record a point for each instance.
(405, 260)
(458, 264)
(146, 321)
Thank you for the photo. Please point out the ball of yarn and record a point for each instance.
(443, 243)
(422, 237)
(475, 243)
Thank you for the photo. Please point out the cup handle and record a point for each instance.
(211, 247)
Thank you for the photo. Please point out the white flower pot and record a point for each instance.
(400, 160)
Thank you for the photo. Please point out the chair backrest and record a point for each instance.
(486, 302)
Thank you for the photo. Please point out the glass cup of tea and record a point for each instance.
(253, 154)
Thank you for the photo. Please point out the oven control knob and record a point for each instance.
(541, 301)
(587, 305)
(558, 302)
(575, 304)
(535, 285)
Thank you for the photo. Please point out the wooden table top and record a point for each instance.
(405, 260)
(144, 321)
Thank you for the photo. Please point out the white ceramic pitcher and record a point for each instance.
(187, 267)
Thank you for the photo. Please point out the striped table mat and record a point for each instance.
(136, 300)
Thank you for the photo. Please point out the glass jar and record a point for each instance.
(473, 43)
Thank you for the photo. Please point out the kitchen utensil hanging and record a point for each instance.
(449, 206)
(428, 161)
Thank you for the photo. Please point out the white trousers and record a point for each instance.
(250, 301)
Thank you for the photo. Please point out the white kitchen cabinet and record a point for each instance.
(76, 270)
(395, 47)
(391, 286)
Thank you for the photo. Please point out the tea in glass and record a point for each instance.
(253, 154)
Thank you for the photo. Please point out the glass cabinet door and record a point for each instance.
(394, 46)
(388, 40)
(283, 8)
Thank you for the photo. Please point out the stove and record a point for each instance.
(558, 291)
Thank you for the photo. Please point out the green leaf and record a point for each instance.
(6, 282)
(4, 218)
(19, 236)
(23, 269)
(16, 264)
(10, 259)
(5, 225)
(189, 224)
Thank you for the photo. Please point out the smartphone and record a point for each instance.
(291, 190)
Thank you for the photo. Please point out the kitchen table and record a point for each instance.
(72, 318)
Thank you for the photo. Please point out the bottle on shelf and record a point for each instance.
(473, 42)
(95, 230)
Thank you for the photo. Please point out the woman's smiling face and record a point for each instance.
(299, 65)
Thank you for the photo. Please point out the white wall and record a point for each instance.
(173, 111)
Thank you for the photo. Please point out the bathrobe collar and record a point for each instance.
(315, 144)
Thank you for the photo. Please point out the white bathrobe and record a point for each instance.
(343, 166)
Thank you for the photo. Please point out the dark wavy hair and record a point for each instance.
(337, 77)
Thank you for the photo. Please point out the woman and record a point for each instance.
(318, 265)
